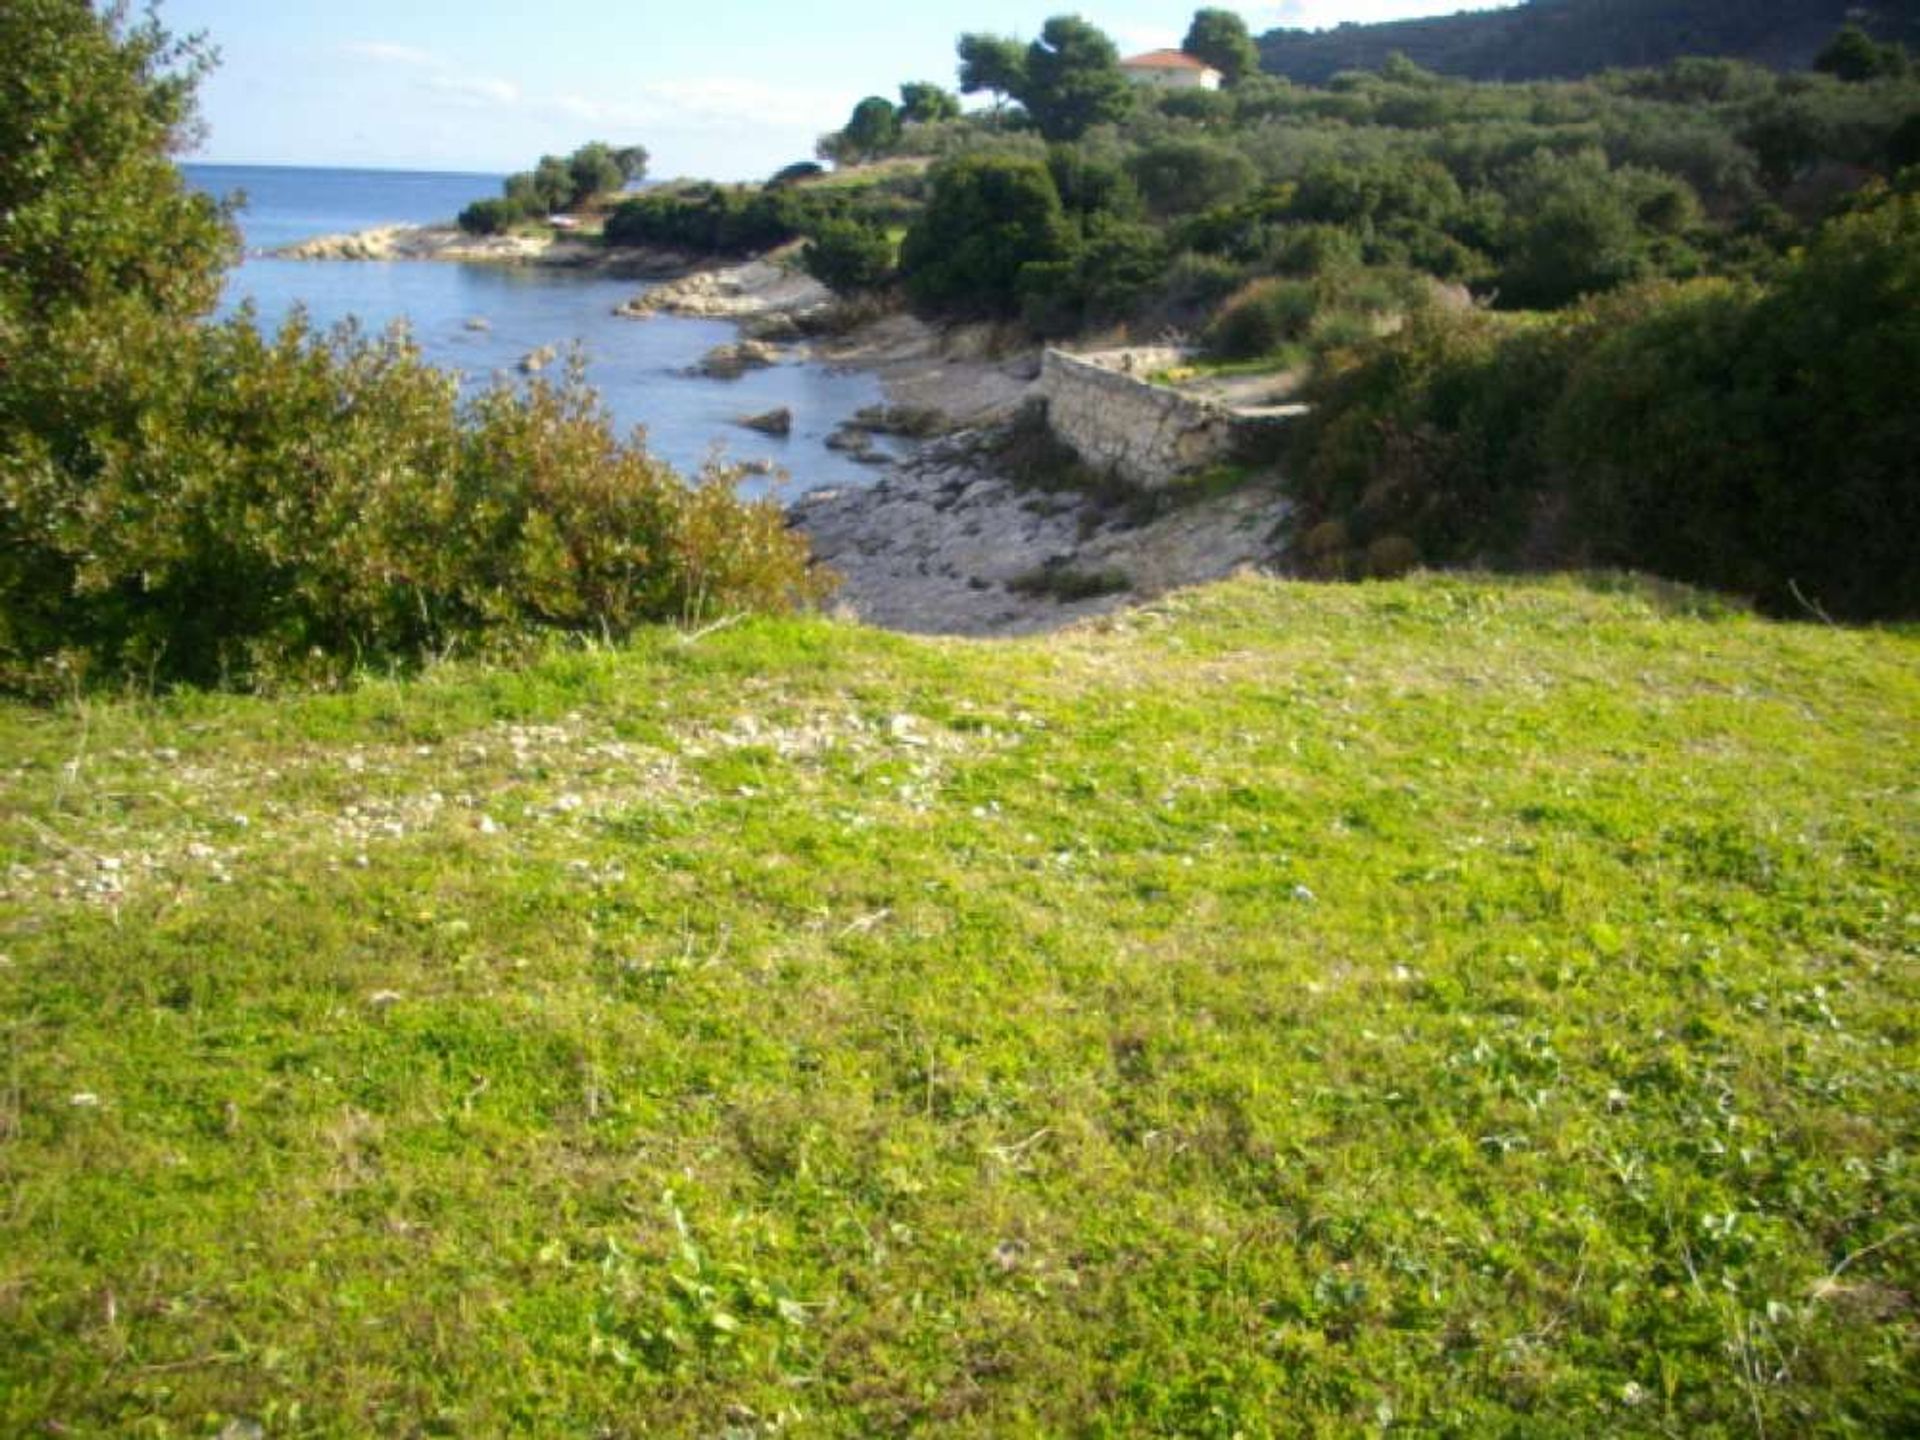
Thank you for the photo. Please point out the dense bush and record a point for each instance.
(1113, 266)
(491, 217)
(185, 501)
(847, 256)
(1178, 176)
(91, 213)
(225, 507)
(1759, 440)
(988, 216)
(710, 219)
(1261, 318)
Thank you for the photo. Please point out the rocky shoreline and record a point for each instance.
(449, 242)
(942, 542)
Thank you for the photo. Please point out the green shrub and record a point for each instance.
(988, 216)
(214, 506)
(1183, 175)
(1261, 318)
(1115, 268)
(712, 219)
(1757, 440)
(848, 256)
(491, 217)
(92, 212)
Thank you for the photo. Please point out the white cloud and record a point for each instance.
(483, 89)
(382, 52)
(717, 102)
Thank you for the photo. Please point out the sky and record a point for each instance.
(730, 89)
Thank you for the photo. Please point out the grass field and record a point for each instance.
(1436, 1008)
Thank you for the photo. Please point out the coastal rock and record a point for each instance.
(944, 545)
(537, 360)
(730, 362)
(913, 421)
(773, 422)
(758, 288)
(479, 323)
(850, 439)
(446, 242)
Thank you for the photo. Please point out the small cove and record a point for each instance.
(637, 365)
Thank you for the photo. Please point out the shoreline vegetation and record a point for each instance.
(1537, 325)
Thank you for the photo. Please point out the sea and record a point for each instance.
(638, 366)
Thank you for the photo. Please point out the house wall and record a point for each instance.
(1181, 79)
(1147, 435)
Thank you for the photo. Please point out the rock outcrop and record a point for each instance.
(730, 362)
(944, 546)
(773, 422)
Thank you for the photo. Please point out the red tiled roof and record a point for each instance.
(1164, 60)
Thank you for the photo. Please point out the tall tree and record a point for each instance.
(1073, 80)
(594, 170)
(872, 128)
(92, 209)
(993, 63)
(1220, 38)
(1853, 56)
(989, 215)
(923, 103)
(632, 160)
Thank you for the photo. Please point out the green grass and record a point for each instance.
(1436, 1008)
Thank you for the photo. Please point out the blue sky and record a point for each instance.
(727, 88)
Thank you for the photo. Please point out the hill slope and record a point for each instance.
(1488, 1008)
(1554, 39)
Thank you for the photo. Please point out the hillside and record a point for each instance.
(1476, 1008)
(1555, 39)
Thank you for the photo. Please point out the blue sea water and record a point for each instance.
(635, 364)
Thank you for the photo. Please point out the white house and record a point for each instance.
(1171, 70)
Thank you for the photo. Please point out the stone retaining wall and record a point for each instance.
(1148, 435)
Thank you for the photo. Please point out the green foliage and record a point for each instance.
(1114, 267)
(1179, 176)
(1092, 183)
(993, 63)
(560, 183)
(632, 162)
(1572, 38)
(872, 128)
(848, 256)
(1220, 38)
(712, 219)
(553, 183)
(796, 172)
(225, 508)
(1261, 318)
(594, 170)
(987, 217)
(1853, 56)
(92, 212)
(1703, 444)
(491, 217)
(184, 501)
(1071, 80)
(924, 103)
(1686, 430)
(1579, 228)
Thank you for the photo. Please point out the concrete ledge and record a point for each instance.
(1148, 435)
